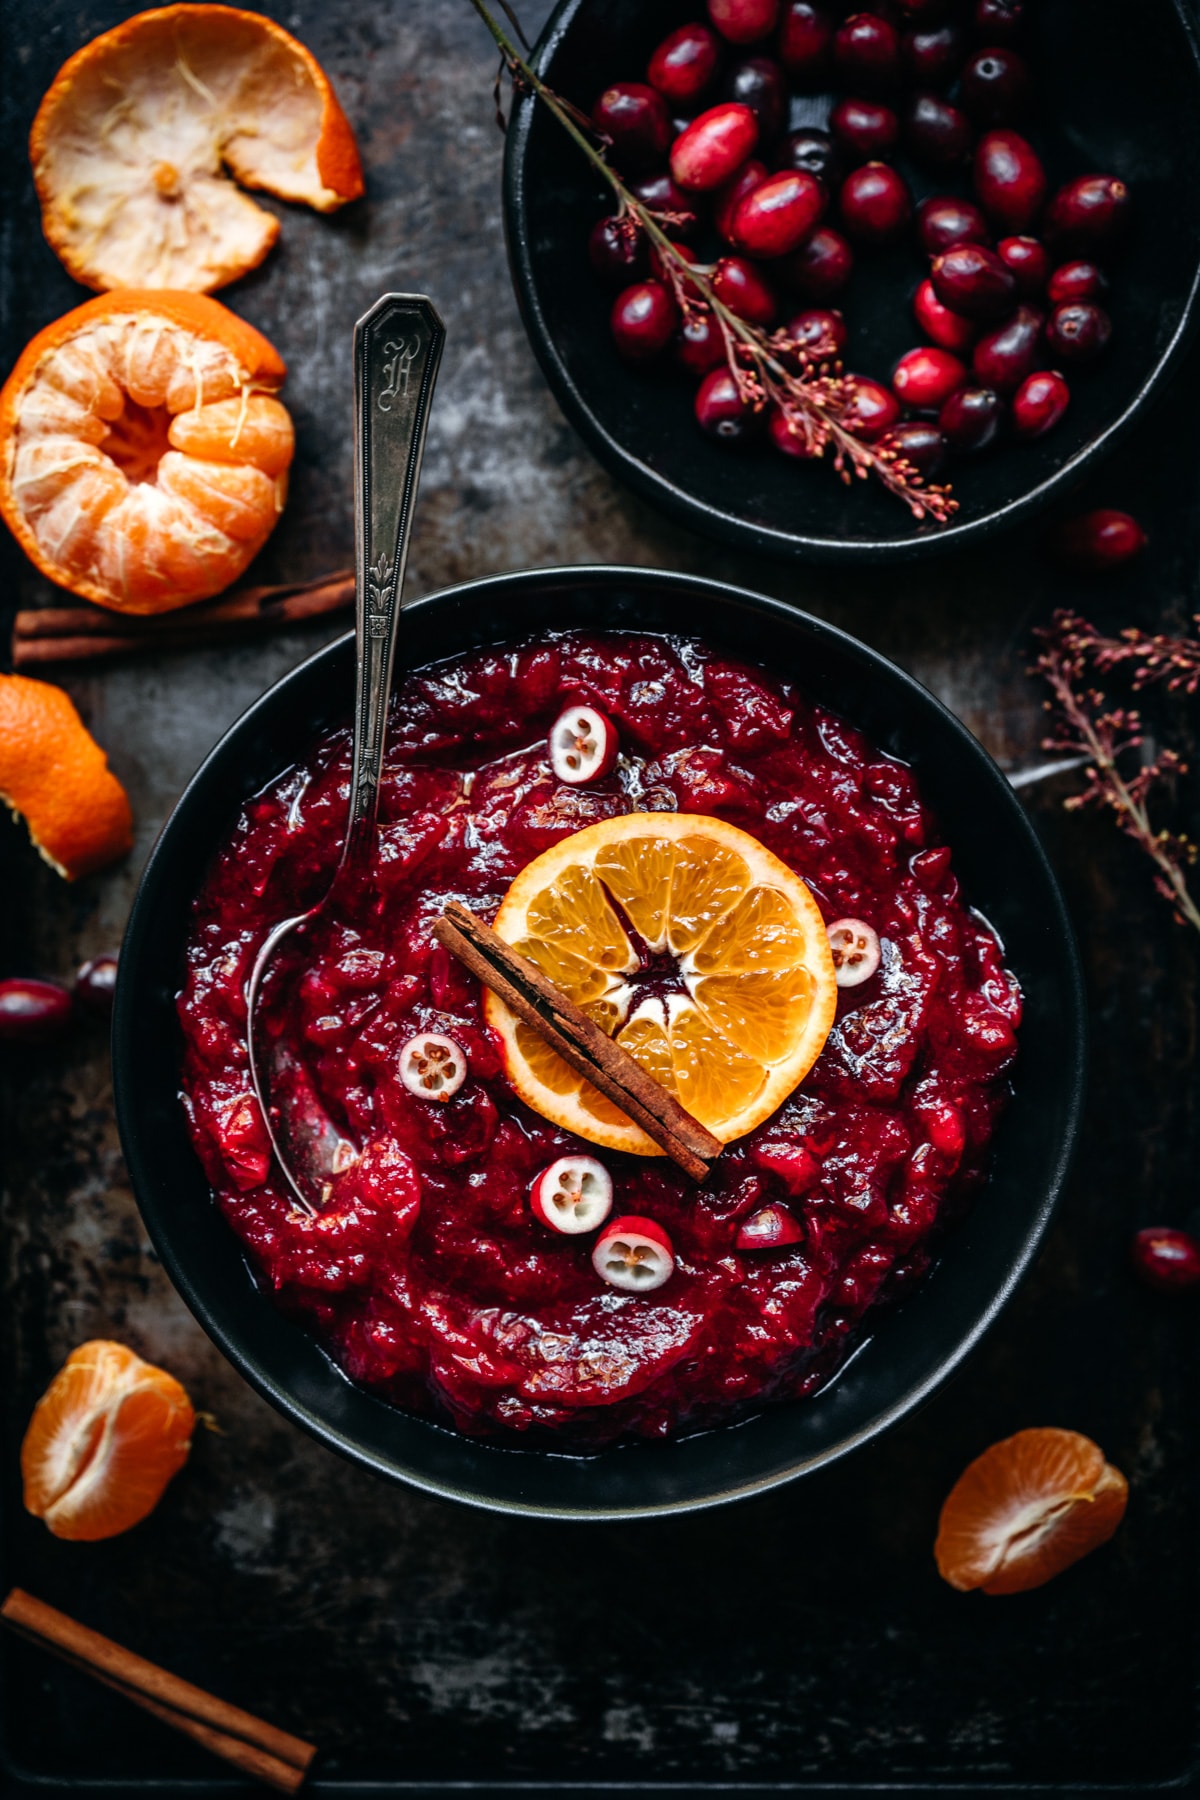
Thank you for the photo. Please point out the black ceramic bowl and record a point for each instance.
(1119, 91)
(1003, 871)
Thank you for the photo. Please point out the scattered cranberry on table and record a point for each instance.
(32, 1011)
(1166, 1258)
(96, 983)
(1100, 540)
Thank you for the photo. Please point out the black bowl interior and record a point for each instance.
(1004, 872)
(1117, 92)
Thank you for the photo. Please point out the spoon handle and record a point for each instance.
(397, 350)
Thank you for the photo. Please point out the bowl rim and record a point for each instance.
(728, 527)
(129, 1007)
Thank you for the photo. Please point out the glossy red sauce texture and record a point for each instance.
(427, 1275)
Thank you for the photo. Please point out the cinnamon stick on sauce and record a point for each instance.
(577, 1039)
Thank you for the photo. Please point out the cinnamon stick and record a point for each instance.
(248, 1743)
(577, 1039)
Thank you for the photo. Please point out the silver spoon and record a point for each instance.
(397, 350)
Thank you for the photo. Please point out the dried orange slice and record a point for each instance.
(143, 454)
(56, 776)
(104, 1440)
(745, 986)
(132, 142)
(1027, 1509)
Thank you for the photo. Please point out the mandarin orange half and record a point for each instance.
(143, 453)
(54, 774)
(1026, 1509)
(135, 142)
(104, 1440)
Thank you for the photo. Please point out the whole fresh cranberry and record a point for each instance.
(31, 1011)
(949, 329)
(743, 21)
(662, 195)
(1004, 357)
(659, 270)
(938, 135)
(759, 83)
(643, 321)
(819, 269)
(876, 204)
(728, 198)
(866, 127)
(871, 409)
(919, 443)
(778, 214)
(636, 121)
(1101, 540)
(998, 21)
(685, 64)
(1029, 262)
(806, 41)
(788, 436)
(1009, 180)
(1089, 213)
(924, 378)
(971, 418)
(1039, 403)
(930, 56)
(866, 53)
(714, 147)
(943, 221)
(1076, 281)
(971, 279)
(995, 86)
(1078, 331)
(813, 152)
(96, 983)
(1167, 1259)
(721, 411)
(821, 332)
(617, 250)
(700, 343)
(740, 287)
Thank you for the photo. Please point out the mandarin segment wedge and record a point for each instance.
(55, 776)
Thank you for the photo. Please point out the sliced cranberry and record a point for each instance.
(662, 195)
(923, 378)
(714, 147)
(971, 419)
(1009, 180)
(617, 250)
(866, 53)
(1004, 357)
(792, 1162)
(789, 436)
(820, 269)
(643, 321)
(634, 1254)
(728, 198)
(871, 409)
(96, 983)
(999, 21)
(574, 1195)
(1166, 1258)
(937, 134)
(918, 443)
(1078, 331)
(432, 1066)
(583, 745)
(32, 1011)
(813, 152)
(821, 332)
(1101, 540)
(760, 83)
(740, 287)
(685, 64)
(1089, 213)
(700, 343)
(856, 951)
(770, 1228)
(876, 204)
(743, 21)
(943, 221)
(949, 329)
(995, 86)
(1039, 403)
(635, 118)
(972, 280)
(866, 127)
(805, 40)
(931, 55)
(1076, 281)
(1029, 262)
(778, 215)
(721, 411)
(947, 1129)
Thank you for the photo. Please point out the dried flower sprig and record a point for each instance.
(1166, 657)
(1120, 776)
(806, 383)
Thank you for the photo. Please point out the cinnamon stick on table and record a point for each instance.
(576, 1038)
(250, 1744)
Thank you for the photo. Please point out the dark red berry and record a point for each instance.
(700, 343)
(1004, 357)
(643, 320)
(995, 86)
(32, 1012)
(1076, 281)
(1101, 540)
(728, 198)
(96, 983)
(821, 332)
(1077, 331)
(778, 214)
(770, 1228)
(740, 287)
(970, 279)
(636, 119)
(918, 442)
(662, 195)
(1039, 403)
(930, 56)
(938, 135)
(949, 329)
(866, 127)
(759, 83)
(617, 250)
(743, 21)
(1089, 213)
(943, 221)
(788, 436)
(813, 152)
(872, 409)
(1166, 1259)
(713, 147)
(805, 41)
(820, 268)
(971, 418)
(998, 21)
(866, 53)
(685, 64)
(1029, 262)
(721, 411)
(924, 378)
(876, 204)
(1009, 180)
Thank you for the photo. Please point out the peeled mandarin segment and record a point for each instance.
(574, 911)
(55, 775)
(709, 878)
(637, 873)
(762, 932)
(238, 500)
(257, 430)
(762, 1014)
(715, 1082)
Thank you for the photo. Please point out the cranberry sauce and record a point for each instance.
(427, 1273)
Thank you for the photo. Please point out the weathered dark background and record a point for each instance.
(804, 1639)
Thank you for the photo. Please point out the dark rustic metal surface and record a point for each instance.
(804, 1639)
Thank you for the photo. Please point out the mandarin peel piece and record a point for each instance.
(56, 777)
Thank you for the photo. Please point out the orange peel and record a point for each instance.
(56, 777)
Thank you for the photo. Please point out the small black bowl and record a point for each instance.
(1118, 91)
(1003, 870)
